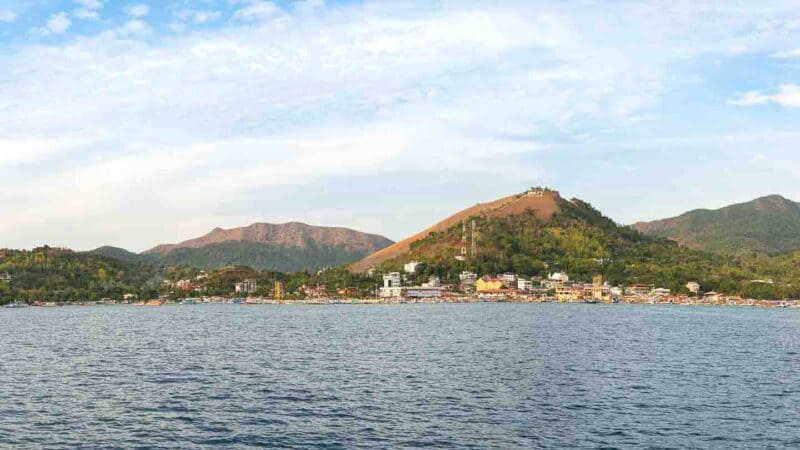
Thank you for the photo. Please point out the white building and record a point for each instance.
(559, 277)
(468, 278)
(422, 292)
(248, 286)
(693, 287)
(508, 278)
(411, 267)
(392, 279)
(391, 292)
(433, 282)
(524, 285)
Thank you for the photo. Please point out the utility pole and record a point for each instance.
(474, 240)
(464, 237)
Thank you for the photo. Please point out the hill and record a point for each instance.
(572, 236)
(543, 203)
(286, 247)
(63, 275)
(123, 255)
(766, 225)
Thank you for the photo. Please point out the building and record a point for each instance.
(559, 277)
(411, 267)
(392, 279)
(508, 278)
(392, 286)
(248, 286)
(390, 292)
(184, 285)
(433, 282)
(422, 292)
(524, 285)
(639, 290)
(660, 292)
(693, 287)
(5, 277)
(468, 278)
(487, 283)
(569, 293)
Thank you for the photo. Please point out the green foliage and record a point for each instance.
(261, 256)
(767, 225)
(54, 274)
(582, 242)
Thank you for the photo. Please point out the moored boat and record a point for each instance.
(17, 304)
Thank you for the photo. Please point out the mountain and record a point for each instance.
(544, 203)
(286, 247)
(765, 225)
(539, 232)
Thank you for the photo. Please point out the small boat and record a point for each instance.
(17, 304)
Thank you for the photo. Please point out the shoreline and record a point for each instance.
(377, 301)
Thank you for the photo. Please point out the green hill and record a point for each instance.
(578, 239)
(54, 274)
(310, 257)
(767, 225)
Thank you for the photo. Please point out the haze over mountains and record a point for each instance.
(768, 225)
(285, 247)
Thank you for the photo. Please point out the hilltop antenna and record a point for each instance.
(474, 242)
(464, 237)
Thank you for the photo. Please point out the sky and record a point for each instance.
(143, 122)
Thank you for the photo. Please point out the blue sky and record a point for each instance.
(137, 123)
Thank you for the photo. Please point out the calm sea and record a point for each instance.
(402, 376)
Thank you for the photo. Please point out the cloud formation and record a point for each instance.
(130, 136)
(787, 95)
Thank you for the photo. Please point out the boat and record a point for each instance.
(17, 304)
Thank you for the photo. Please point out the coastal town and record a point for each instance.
(556, 287)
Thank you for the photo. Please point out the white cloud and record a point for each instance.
(7, 16)
(787, 95)
(308, 6)
(58, 23)
(85, 14)
(190, 124)
(133, 27)
(256, 10)
(787, 54)
(90, 4)
(197, 17)
(137, 11)
(201, 17)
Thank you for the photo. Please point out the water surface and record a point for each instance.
(400, 376)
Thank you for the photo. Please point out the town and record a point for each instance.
(556, 287)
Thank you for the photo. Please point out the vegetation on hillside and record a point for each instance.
(767, 225)
(55, 274)
(260, 256)
(582, 242)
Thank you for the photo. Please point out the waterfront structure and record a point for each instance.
(693, 287)
(392, 286)
(433, 282)
(639, 290)
(487, 283)
(558, 277)
(421, 292)
(524, 285)
(248, 286)
(508, 278)
(468, 278)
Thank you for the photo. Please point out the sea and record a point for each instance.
(500, 376)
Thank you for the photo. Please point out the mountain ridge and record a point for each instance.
(768, 225)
